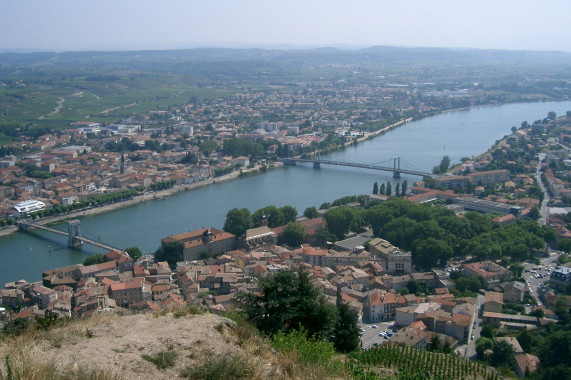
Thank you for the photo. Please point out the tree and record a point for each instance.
(443, 166)
(435, 343)
(382, 190)
(389, 191)
(403, 188)
(293, 234)
(287, 300)
(98, 258)
(487, 331)
(238, 221)
(346, 334)
(170, 252)
(514, 129)
(502, 354)
(288, 213)
(516, 269)
(397, 189)
(134, 253)
(273, 215)
(375, 188)
(482, 345)
(339, 221)
(534, 213)
(551, 115)
(413, 286)
(310, 213)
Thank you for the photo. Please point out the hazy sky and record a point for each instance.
(59, 25)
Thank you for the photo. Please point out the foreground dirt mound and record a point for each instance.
(146, 346)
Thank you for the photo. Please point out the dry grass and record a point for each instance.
(111, 347)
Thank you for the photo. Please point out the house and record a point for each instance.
(493, 302)
(526, 364)
(560, 278)
(381, 306)
(209, 241)
(126, 293)
(514, 291)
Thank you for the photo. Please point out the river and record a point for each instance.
(420, 144)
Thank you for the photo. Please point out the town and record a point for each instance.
(456, 300)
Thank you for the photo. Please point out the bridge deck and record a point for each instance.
(363, 166)
(81, 238)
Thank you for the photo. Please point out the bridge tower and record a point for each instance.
(73, 232)
(396, 167)
(316, 158)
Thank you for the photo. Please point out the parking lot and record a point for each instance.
(370, 334)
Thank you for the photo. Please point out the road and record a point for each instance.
(544, 210)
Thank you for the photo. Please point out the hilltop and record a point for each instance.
(109, 346)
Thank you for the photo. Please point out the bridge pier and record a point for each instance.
(396, 174)
(73, 232)
(316, 165)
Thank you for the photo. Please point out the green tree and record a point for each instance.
(397, 190)
(293, 234)
(134, 253)
(310, 213)
(404, 188)
(561, 309)
(435, 343)
(287, 300)
(207, 147)
(170, 252)
(383, 189)
(502, 354)
(514, 129)
(375, 188)
(339, 221)
(482, 345)
(273, 215)
(97, 258)
(516, 269)
(389, 191)
(288, 213)
(487, 331)
(413, 286)
(346, 334)
(238, 221)
(443, 167)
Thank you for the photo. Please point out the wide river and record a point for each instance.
(420, 145)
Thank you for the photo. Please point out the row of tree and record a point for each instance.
(239, 220)
(388, 190)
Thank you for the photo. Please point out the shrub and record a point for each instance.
(162, 360)
(220, 367)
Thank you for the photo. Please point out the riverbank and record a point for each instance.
(145, 197)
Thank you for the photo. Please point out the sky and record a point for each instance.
(63, 25)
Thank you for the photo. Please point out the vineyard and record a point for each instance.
(414, 364)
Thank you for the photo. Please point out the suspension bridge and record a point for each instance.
(395, 168)
(73, 234)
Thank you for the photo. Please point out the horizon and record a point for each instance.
(129, 25)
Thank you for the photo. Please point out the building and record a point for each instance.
(526, 364)
(260, 237)
(514, 291)
(492, 273)
(209, 241)
(381, 306)
(493, 302)
(560, 278)
(127, 293)
(393, 259)
(488, 177)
